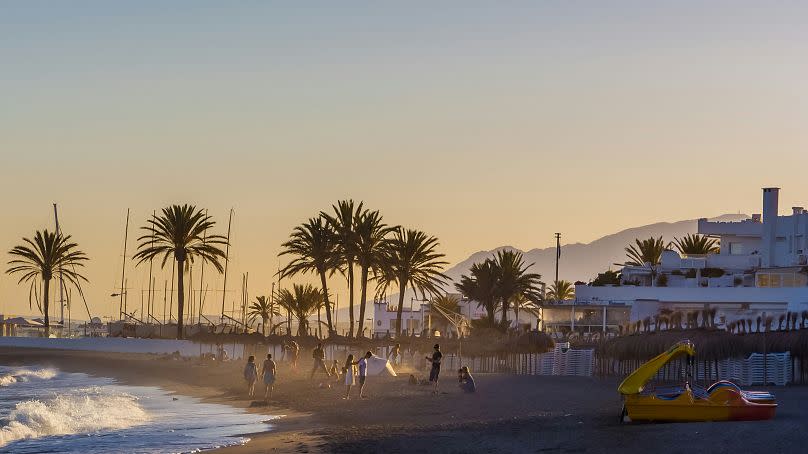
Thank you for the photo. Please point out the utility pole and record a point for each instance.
(558, 255)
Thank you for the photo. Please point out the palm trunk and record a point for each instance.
(491, 310)
(180, 298)
(327, 303)
(362, 303)
(46, 305)
(350, 297)
(401, 283)
(264, 326)
(505, 307)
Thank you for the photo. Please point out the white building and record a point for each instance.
(761, 268)
(416, 316)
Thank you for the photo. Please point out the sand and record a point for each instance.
(508, 414)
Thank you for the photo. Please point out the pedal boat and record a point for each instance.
(722, 401)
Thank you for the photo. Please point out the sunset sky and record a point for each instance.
(484, 125)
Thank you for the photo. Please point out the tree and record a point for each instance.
(480, 286)
(514, 279)
(370, 233)
(313, 244)
(561, 290)
(647, 252)
(179, 232)
(607, 277)
(695, 244)
(342, 224)
(262, 308)
(301, 302)
(48, 254)
(410, 258)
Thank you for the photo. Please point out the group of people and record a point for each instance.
(352, 371)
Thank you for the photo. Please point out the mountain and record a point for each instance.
(582, 262)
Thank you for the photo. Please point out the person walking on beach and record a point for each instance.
(294, 352)
(251, 375)
(319, 361)
(268, 373)
(350, 375)
(395, 355)
(363, 373)
(335, 372)
(434, 373)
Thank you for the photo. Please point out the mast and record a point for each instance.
(165, 297)
(61, 276)
(151, 264)
(202, 274)
(226, 261)
(122, 307)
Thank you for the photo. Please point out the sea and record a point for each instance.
(45, 410)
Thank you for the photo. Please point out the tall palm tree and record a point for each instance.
(180, 232)
(342, 223)
(370, 233)
(262, 308)
(561, 290)
(39, 259)
(313, 245)
(410, 259)
(514, 279)
(301, 302)
(646, 252)
(480, 285)
(695, 244)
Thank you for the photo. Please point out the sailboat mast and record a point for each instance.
(122, 308)
(226, 261)
(202, 275)
(151, 264)
(61, 277)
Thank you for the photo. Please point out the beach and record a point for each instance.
(507, 414)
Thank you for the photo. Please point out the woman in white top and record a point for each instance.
(350, 375)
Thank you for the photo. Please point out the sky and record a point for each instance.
(482, 123)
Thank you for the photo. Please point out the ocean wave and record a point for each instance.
(24, 375)
(88, 410)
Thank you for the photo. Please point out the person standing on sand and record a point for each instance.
(294, 352)
(319, 360)
(251, 375)
(268, 373)
(395, 355)
(434, 373)
(350, 375)
(363, 373)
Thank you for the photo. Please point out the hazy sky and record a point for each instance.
(485, 125)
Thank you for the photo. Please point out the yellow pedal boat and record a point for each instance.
(722, 401)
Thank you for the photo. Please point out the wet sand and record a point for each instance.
(508, 414)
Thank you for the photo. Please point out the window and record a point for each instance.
(762, 280)
(775, 280)
(735, 248)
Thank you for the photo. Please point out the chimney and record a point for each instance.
(770, 209)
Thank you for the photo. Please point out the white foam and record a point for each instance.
(25, 375)
(88, 410)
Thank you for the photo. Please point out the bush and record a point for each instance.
(606, 278)
(662, 280)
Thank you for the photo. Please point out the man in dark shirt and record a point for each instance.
(319, 360)
(435, 372)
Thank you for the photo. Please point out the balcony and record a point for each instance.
(743, 228)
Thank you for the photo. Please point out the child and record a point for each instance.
(251, 375)
(350, 375)
(335, 370)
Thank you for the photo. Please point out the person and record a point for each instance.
(251, 375)
(434, 373)
(319, 360)
(350, 375)
(268, 373)
(335, 370)
(395, 354)
(466, 380)
(363, 373)
(294, 352)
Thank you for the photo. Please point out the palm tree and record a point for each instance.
(301, 302)
(370, 233)
(480, 286)
(47, 254)
(695, 244)
(647, 252)
(561, 290)
(313, 244)
(446, 302)
(514, 279)
(262, 308)
(410, 259)
(342, 223)
(179, 232)
(523, 303)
